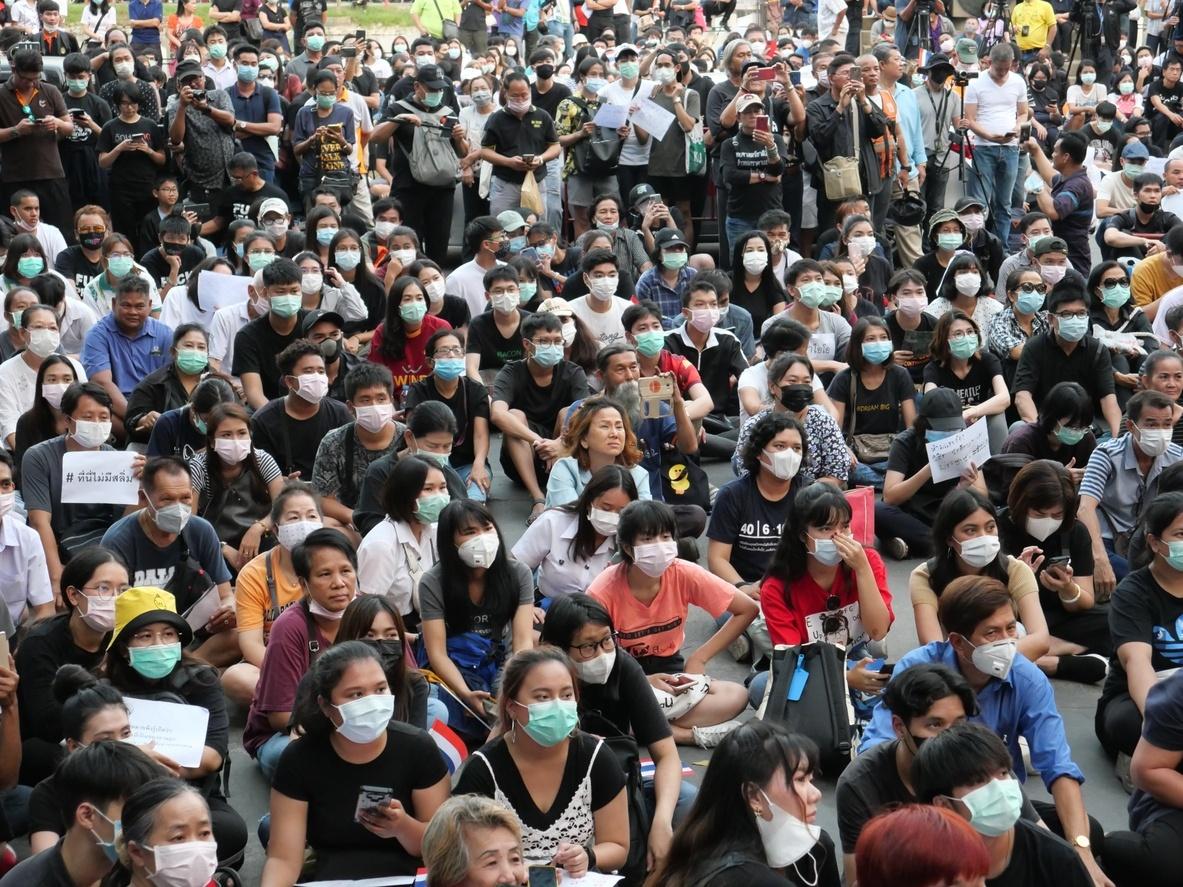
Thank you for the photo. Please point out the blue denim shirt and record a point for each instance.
(1021, 705)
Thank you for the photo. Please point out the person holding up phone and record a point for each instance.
(752, 162)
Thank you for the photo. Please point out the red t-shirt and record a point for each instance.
(800, 618)
(683, 370)
(412, 366)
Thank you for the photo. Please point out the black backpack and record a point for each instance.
(624, 748)
(823, 710)
(598, 155)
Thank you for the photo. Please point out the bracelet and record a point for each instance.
(1073, 600)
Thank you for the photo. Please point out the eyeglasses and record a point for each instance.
(606, 643)
(455, 351)
(1113, 282)
(1040, 288)
(961, 334)
(1068, 315)
(103, 591)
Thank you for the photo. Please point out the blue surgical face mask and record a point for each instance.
(877, 352)
(324, 236)
(1175, 555)
(932, 435)
(1073, 329)
(517, 244)
(1070, 436)
(449, 368)
(108, 847)
(548, 355)
(1029, 303)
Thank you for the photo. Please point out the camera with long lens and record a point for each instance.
(1082, 11)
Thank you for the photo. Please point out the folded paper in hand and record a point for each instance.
(952, 455)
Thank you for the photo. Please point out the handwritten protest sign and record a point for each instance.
(104, 477)
(220, 290)
(652, 118)
(611, 116)
(951, 456)
(178, 731)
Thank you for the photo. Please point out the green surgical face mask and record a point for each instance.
(428, 508)
(325, 102)
(76, 85)
(650, 342)
(949, 241)
(155, 662)
(285, 305)
(192, 361)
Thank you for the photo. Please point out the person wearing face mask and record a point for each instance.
(1139, 231)
(171, 386)
(474, 172)
(518, 138)
(292, 427)
(586, 828)
(201, 119)
(76, 636)
(755, 818)
(475, 601)
(1014, 700)
(651, 587)
(1034, 228)
(1021, 319)
(965, 539)
(528, 396)
(147, 655)
(966, 286)
(1062, 433)
(601, 310)
(97, 779)
(397, 551)
(820, 583)
(1112, 314)
(1066, 354)
(1066, 194)
(257, 113)
(1115, 194)
(267, 585)
(667, 282)
(751, 163)
(1039, 527)
(400, 341)
(258, 341)
(324, 569)
(966, 769)
(926, 701)
(275, 218)
(172, 260)
(947, 235)
(131, 150)
(351, 742)
(910, 327)
(983, 243)
(38, 332)
(960, 363)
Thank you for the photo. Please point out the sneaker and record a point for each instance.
(1084, 669)
(709, 737)
(740, 648)
(1121, 769)
(896, 548)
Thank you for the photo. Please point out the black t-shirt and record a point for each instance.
(978, 384)
(82, 138)
(575, 286)
(1040, 857)
(233, 29)
(1171, 96)
(516, 386)
(934, 272)
(511, 137)
(1160, 222)
(237, 203)
(156, 264)
(1142, 612)
(1074, 542)
(626, 700)
(293, 442)
(310, 770)
(758, 302)
(908, 456)
(607, 779)
(455, 312)
(73, 265)
(549, 101)
(1043, 364)
(45, 869)
(469, 403)
(866, 787)
(47, 646)
(914, 341)
(495, 349)
(750, 524)
(133, 168)
(876, 411)
(255, 347)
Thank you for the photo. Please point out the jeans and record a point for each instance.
(737, 228)
(687, 792)
(1120, 565)
(566, 30)
(475, 493)
(553, 189)
(869, 475)
(993, 180)
(267, 754)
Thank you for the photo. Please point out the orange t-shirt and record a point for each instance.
(659, 628)
(251, 600)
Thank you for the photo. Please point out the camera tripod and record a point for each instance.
(990, 32)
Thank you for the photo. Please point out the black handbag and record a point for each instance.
(599, 154)
(683, 482)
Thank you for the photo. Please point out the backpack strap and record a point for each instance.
(272, 594)
(310, 623)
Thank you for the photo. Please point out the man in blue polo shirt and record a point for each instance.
(257, 114)
(126, 344)
(145, 18)
(1014, 697)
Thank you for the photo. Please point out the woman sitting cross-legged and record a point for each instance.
(598, 433)
(357, 786)
(648, 595)
(565, 785)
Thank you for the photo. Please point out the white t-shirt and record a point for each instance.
(997, 106)
(605, 328)
(827, 12)
(756, 377)
(468, 282)
(1116, 189)
(633, 153)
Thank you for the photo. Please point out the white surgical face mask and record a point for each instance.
(603, 288)
(232, 450)
(1154, 441)
(755, 263)
(311, 282)
(597, 671)
(997, 658)
(783, 464)
(980, 551)
(435, 289)
(373, 418)
(654, 558)
(1040, 528)
(91, 434)
(190, 864)
(785, 837)
(968, 284)
(603, 522)
(480, 551)
(292, 534)
(53, 393)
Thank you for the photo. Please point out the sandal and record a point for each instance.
(536, 510)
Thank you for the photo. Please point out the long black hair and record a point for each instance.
(768, 279)
(307, 715)
(609, 477)
(394, 334)
(501, 594)
(818, 505)
(721, 820)
(356, 621)
(214, 466)
(40, 413)
(957, 506)
(1066, 400)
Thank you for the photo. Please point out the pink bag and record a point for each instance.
(862, 515)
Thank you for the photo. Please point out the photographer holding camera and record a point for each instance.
(940, 115)
(912, 30)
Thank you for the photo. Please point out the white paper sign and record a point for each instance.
(951, 456)
(103, 477)
(219, 290)
(178, 731)
(652, 118)
(198, 616)
(1156, 165)
(611, 116)
(1173, 204)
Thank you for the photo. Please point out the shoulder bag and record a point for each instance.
(841, 174)
(868, 448)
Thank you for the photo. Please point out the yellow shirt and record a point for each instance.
(1153, 278)
(1031, 20)
(1020, 583)
(251, 599)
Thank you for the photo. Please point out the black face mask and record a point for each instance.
(502, 250)
(1039, 85)
(173, 249)
(389, 650)
(545, 72)
(795, 398)
(91, 241)
(330, 350)
(1148, 209)
(917, 741)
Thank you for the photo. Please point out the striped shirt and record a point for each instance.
(1112, 479)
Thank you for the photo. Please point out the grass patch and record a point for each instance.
(343, 17)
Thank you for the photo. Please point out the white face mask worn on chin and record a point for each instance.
(786, 838)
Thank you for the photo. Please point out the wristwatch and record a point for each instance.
(239, 125)
(1082, 842)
